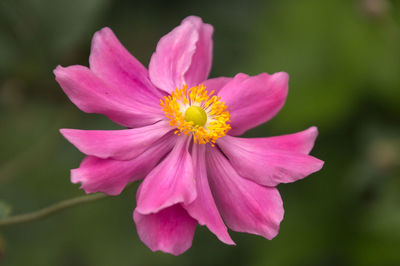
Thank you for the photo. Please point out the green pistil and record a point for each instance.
(196, 115)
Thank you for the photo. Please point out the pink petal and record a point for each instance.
(123, 144)
(110, 61)
(111, 176)
(171, 182)
(270, 161)
(254, 100)
(202, 58)
(216, 84)
(203, 208)
(183, 56)
(92, 95)
(244, 205)
(170, 230)
(300, 142)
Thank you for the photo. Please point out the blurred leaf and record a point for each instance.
(335, 56)
(37, 33)
(2, 248)
(5, 210)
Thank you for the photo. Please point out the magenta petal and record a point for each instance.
(110, 61)
(216, 84)
(111, 176)
(92, 95)
(254, 100)
(244, 205)
(203, 208)
(170, 230)
(270, 161)
(123, 144)
(300, 142)
(171, 182)
(183, 56)
(202, 58)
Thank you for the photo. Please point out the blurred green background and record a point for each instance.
(343, 57)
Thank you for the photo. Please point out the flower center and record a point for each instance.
(198, 113)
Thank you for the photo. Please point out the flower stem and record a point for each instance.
(62, 205)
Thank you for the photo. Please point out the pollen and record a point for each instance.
(196, 112)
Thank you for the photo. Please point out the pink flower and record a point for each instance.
(195, 168)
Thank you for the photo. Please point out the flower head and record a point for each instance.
(181, 138)
(197, 113)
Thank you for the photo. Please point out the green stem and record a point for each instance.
(36, 215)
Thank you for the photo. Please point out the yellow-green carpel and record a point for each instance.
(197, 115)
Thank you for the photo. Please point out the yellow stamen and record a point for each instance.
(198, 113)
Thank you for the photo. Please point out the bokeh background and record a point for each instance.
(343, 57)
